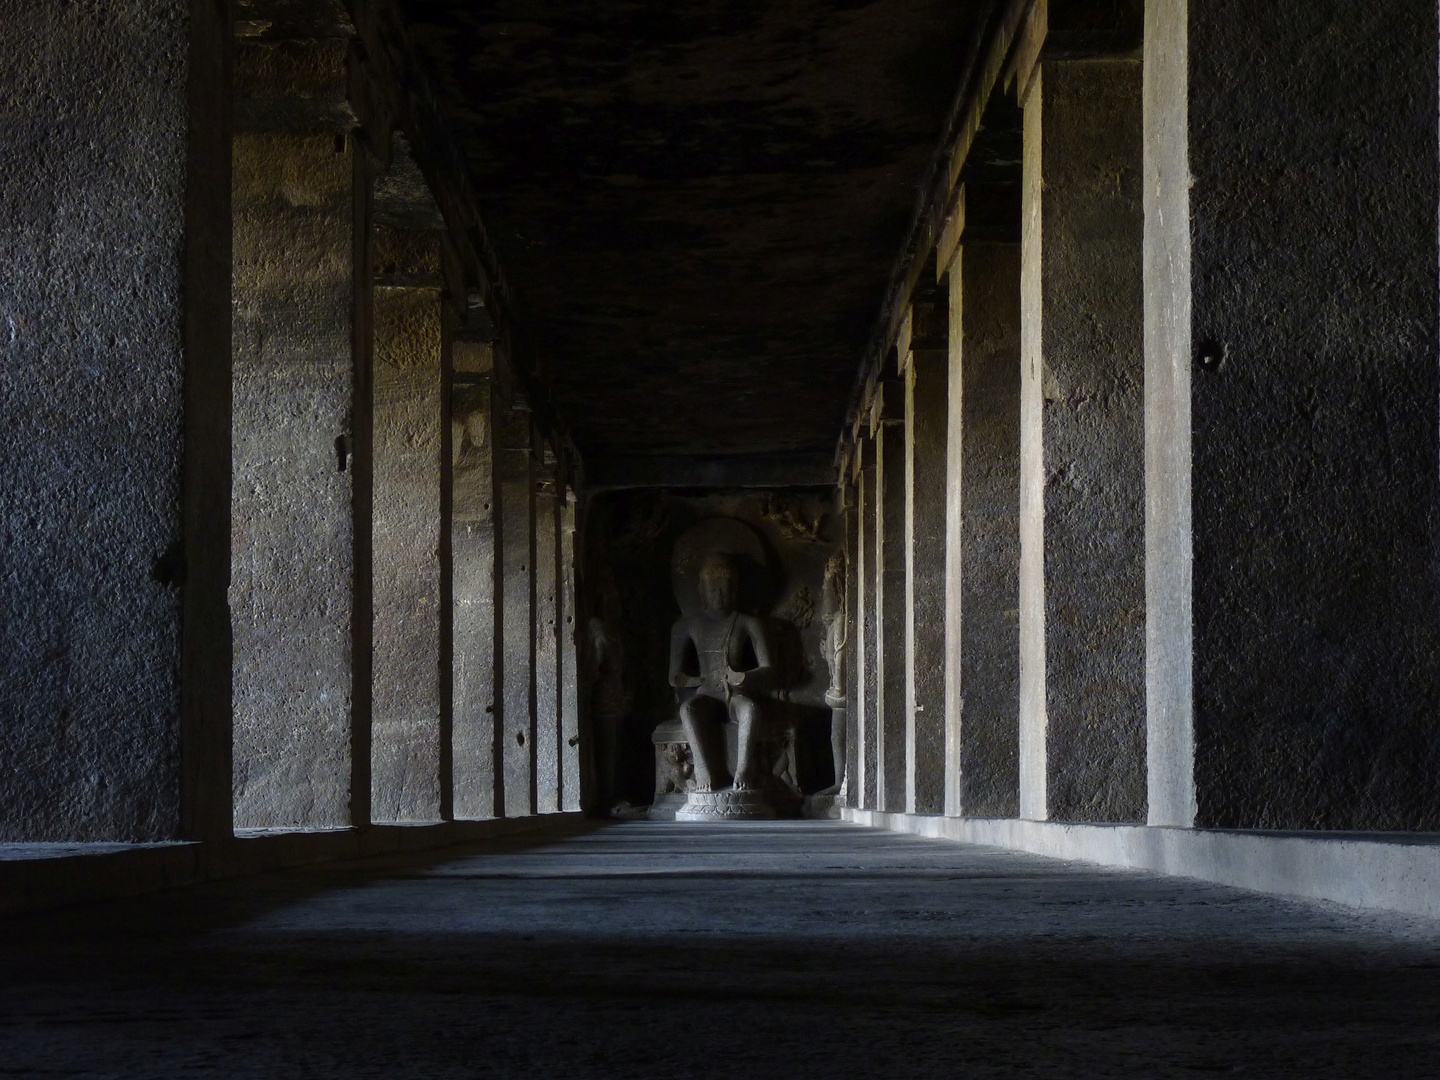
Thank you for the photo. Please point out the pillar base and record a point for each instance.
(824, 807)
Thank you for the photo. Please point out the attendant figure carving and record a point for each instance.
(833, 612)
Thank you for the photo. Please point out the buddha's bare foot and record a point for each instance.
(744, 781)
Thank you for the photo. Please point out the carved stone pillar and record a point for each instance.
(853, 524)
(983, 536)
(867, 695)
(115, 665)
(515, 477)
(406, 728)
(568, 622)
(1082, 610)
(1291, 390)
(890, 558)
(922, 348)
(297, 225)
(474, 612)
(547, 641)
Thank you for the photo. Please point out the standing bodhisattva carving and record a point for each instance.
(832, 612)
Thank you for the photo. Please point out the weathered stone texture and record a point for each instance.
(406, 725)
(1313, 393)
(547, 645)
(1032, 480)
(926, 420)
(472, 553)
(293, 84)
(1169, 698)
(983, 585)
(867, 695)
(854, 598)
(91, 326)
(1083, 377)
(676, 187)
(291, 532)
(515, 476)
(890, 558)
(572, 788)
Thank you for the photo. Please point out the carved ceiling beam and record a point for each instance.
(1012, 38)
(699, 471)
(394, 92)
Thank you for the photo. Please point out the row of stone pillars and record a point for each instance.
(1113, 493)
(402, 590)
(289, 529)
(402, 529)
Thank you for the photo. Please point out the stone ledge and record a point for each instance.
(85, 873)
(1389, 871)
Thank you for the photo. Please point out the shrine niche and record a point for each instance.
(720, 603)
(727, 668)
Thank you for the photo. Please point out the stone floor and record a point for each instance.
(795, 949)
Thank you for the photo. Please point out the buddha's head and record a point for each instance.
(719, 582)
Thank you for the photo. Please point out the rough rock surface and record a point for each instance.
(292, 571)
(1082, 694)
(773, 950)
(1094, 444)
(407, 719)
(1292, 391)
(984, 628)
(91, 330)
(698, 204)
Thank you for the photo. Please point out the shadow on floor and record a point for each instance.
(792, 949)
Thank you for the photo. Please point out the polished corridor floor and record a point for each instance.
(794, 949)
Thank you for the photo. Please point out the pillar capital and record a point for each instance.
(888, 405)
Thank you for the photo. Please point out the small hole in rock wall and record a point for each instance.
(1211, 355)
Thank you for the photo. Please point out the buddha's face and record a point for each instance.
(718, 586)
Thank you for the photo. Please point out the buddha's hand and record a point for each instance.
(734, 678)
(681, 680)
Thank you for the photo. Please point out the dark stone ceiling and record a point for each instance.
(698, 205)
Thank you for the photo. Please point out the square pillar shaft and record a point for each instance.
(1082, 609)
(1292, 388)
(515, 476)
(890, 622)
(114, 633)
(293, 365)
(450, 321)
(406, 725)
(474, 612)
(867, 694)
(982, 586)
(547, 640)
(852, 519)
(571, 786)
(924, 346)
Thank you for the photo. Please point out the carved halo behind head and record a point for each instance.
(724, 536)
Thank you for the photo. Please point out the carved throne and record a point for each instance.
(675, 768)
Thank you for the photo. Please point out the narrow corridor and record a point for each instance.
(793, 949)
